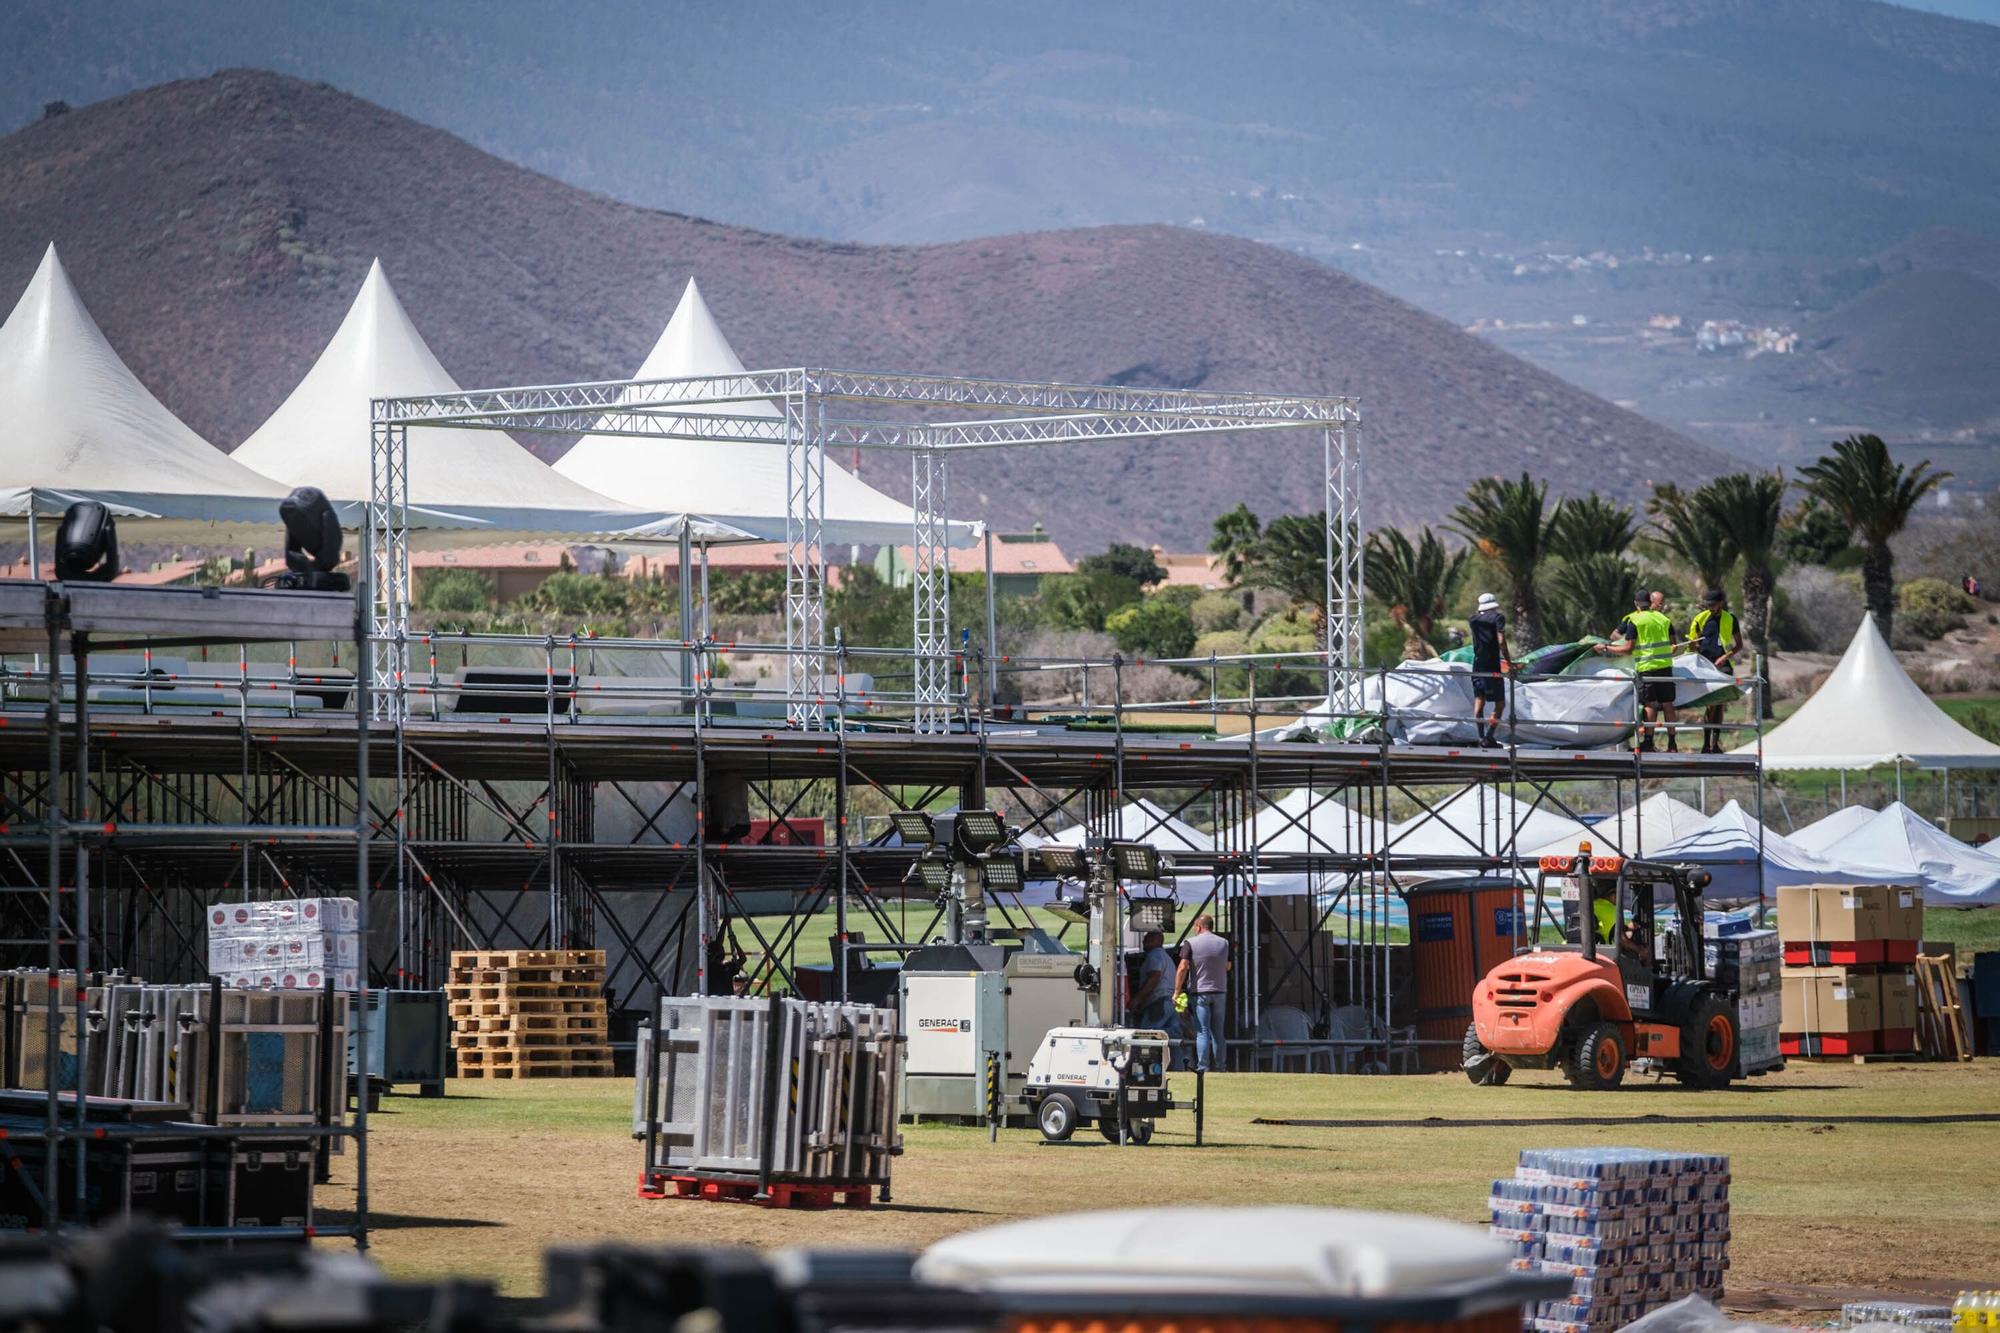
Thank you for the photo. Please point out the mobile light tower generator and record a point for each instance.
(1101, 1071)
(1592, 1009)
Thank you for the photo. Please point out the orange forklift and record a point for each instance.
(1593, 1006)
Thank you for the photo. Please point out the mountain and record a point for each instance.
(1402, 125)
(219, 227)
(1922, 345)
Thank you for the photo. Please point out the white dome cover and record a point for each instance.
(733, 482)
(320, 436)
(81, 426)
(1267, 1251)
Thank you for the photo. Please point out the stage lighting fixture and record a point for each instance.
(934, 875)
(1005, 872)
(973, 831)
(312, 543)
(1062, 862)
(1135, 860)
(913, 827)
(1150, 914)
(87, 544)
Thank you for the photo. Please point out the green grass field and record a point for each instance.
(481, 1181)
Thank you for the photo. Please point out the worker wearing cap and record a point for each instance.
(1489, 661)
(1647, 636)
(1712, 633)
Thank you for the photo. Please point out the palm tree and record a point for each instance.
(1591, 526)
(1413, 581)
(1874, 495)
(1235, 538)
(1746, 507)
(1588, 594)
(1509, 522)
(1685, 522)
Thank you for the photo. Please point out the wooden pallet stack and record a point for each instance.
(529, 1013)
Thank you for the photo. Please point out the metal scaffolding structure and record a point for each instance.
(530, 795)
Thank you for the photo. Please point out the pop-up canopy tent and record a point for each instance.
(1305, 821)
(1483, 821)
(734, 483)
(1139, 821)
(80, 426)
(468, 479)
(1909, 849)
(1821, 834)
(1870, 714)
(1727, 847)
(1638, 830)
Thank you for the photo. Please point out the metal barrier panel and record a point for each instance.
(788, 1089)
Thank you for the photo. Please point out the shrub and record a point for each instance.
(456, 590)
(1156, 627)
(1931, 608)
(1214, 612)
(1816, 610)
(570, 594)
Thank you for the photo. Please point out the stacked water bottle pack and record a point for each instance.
(289, 944)
(1632, 1228)
(1751, 963)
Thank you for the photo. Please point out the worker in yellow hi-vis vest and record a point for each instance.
(1647, 636)
(1712, 633)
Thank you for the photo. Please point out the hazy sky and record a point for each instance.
(1986, 11)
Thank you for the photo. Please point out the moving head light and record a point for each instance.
(312, 543)
(87, 544)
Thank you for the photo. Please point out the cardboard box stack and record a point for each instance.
(1751, 963)
(290, 944)
(529, 1013)
(1632, 1228)
(1849, 988)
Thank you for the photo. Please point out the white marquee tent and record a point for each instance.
(735, 483)
(483, 480)
(1909, 849)
(1869, 713)
(1139, 821)
(1638, 830)
(80, 426)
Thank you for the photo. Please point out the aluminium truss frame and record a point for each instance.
(953, 415)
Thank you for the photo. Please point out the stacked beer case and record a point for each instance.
(1632, 1228)
(289, 944)
(1849, 983)
(1749, 962)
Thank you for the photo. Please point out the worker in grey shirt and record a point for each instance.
(1204, 976)
(1153, 1000)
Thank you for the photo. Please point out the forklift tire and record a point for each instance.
(1057, 1117)
(1485, 1069)
(1138, 1131)
(1597, 1061)
(1709, 1043)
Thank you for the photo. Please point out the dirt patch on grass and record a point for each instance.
(482, 1181)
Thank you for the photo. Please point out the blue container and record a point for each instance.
(409, 1035)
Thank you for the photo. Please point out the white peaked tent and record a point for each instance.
(1912, 850)
(1643, 829)
(735, 483)
(79, 425)
(1870, 713)
(1821, 834)
(1480, 821)
(1140, 821)
(1727, 847)
(319, 436)
(1305, 821)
